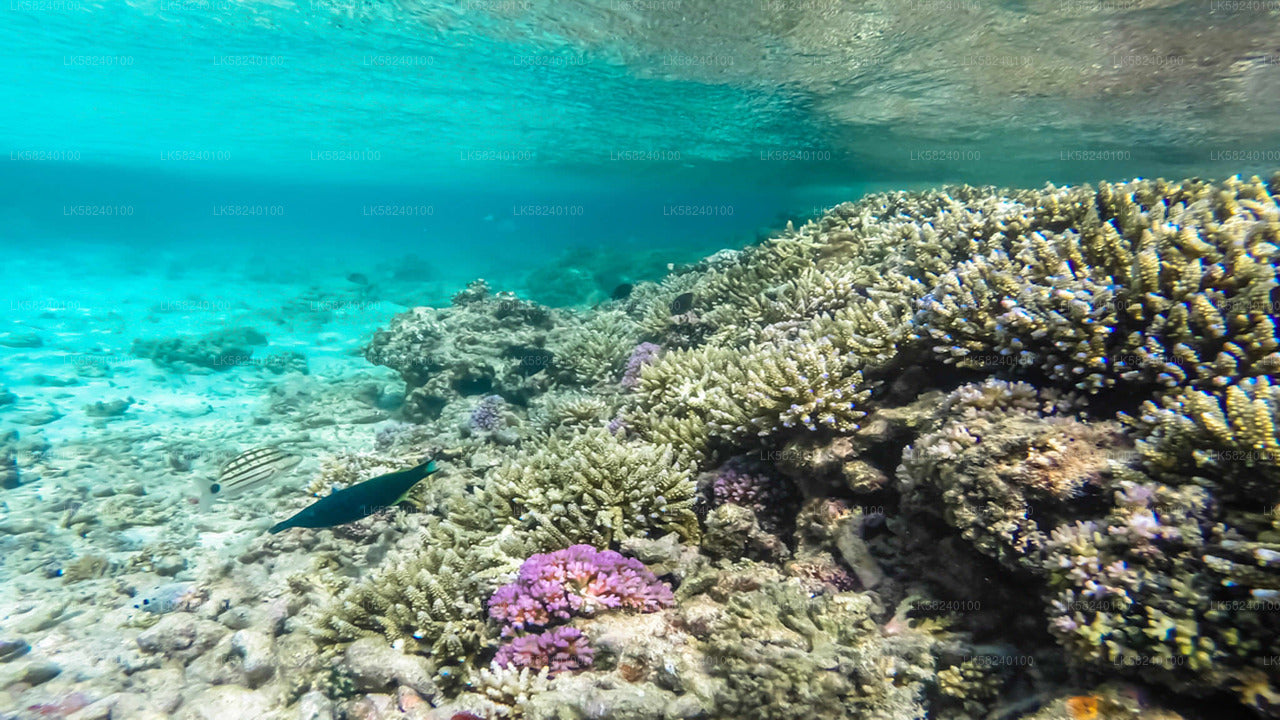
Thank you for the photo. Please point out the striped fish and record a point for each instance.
(248, 470)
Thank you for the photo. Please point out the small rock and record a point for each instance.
(374, 665)
(258, 652)
(371, 707)
(99, 710)
(132, 705)
(193, 408)
(408, 700)
(13, 649)
(584, 696)
(172, 633)
(9, 476)
(180, 635)
(169, 565)
(664, 550)
(7, 397)
(40, 417)
(114, 408)
(315, 706)
(42, 618)
(237, 618)
(38, 672)
(686, 706)
(44, 380)
(21, 339)
(278, 612)
(68, 705)
(19, 525)
(163, 687)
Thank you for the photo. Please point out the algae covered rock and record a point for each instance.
(218, 350)
(782, 653)
(482, 345)
(180, 635)
(9, 477)
(375, 666)
(1004, 472)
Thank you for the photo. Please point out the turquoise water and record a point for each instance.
(600, 116)
(279, 182)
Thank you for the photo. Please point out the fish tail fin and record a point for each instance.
(279, 527)
(420, 472)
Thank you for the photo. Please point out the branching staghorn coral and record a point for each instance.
(594, 350)
(1158, 590)
(595, 489)
(1146, 283)
(569, 411)
(756, 391)
(428, 597)
(1229, 440)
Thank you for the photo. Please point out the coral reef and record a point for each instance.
(594, 349)
(419, 599)
(484, 344)
(643, 354)
(1003, 470)
(740, 482)
(782, 653)
(948, 454)
(486, 416)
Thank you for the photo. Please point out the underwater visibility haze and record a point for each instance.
(639, 359)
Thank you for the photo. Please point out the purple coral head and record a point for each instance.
(559, 649)
(643, 354)
(738, 483)
(617, 425)
(1135, 494)
(486, 416)
(578, 581)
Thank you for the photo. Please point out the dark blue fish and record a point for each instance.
(358, 501)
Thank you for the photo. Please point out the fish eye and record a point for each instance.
(214, 488)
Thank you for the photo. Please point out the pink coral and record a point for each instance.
(643, 354)
(576, 581)
(559, 649)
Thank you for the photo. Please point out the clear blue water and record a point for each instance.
(522, 128)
